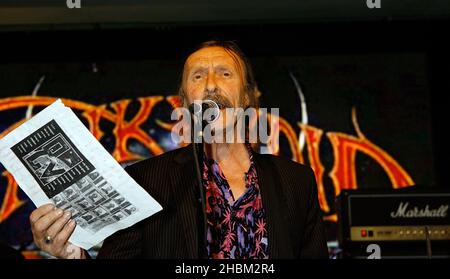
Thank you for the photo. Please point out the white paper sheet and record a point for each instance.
(55, 159)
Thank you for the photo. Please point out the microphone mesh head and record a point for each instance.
(195, 107)
(208, 109)
(213, 112)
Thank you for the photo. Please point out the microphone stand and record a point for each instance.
(428, 242)
(197, 148)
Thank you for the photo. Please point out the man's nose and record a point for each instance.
(211, 85)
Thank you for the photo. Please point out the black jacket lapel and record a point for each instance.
(183, 176)
(275, 206)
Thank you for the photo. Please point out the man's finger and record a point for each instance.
(41, 211)
(43, 223)
(57, 226)
(63, 236)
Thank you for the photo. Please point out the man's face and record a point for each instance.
(213, 73)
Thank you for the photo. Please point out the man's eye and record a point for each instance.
(227, 74)
(197, 77)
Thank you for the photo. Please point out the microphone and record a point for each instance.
(207, 110)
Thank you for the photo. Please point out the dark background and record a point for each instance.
(310, 41)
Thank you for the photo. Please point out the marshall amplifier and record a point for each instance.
(399, 223)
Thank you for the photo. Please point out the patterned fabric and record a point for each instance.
(236, 228)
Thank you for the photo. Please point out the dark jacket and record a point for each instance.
(289, 195)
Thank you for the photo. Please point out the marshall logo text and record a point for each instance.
(405, 211)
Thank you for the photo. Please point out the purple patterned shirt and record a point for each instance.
(236, 228)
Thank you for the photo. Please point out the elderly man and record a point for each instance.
(257, 206)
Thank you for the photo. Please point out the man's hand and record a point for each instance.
(51, 229)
